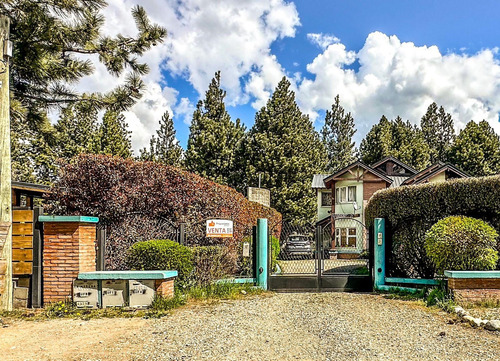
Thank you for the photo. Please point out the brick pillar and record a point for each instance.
(165, 287)
(68, 249)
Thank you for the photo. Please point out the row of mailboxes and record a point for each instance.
(114, 293)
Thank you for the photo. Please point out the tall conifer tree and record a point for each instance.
(337, 135)
(439, 133)
(164, 148)
(214, 137)
(285, 149)
(114, 135)
(77, 130)
(48, 39)
(397, 138)
(476, 149)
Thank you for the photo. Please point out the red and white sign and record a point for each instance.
(219, 228)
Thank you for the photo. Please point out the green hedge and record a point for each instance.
(462, 244)
(161, 255)
(410, 211)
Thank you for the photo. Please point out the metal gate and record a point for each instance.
(330, 255)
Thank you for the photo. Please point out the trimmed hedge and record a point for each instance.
(161, 255)
(136, 199)
(462, 244)
(410, 211)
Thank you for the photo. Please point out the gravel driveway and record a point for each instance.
(312, 326)
(286, 326)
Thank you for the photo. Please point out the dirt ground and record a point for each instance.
(299, 326)
(68, 339)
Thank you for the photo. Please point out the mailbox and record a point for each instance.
(114, 293)
(85, 293)
(141, 292)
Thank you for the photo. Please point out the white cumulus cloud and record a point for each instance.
(400, 78)
(203, 37)
(322, 40)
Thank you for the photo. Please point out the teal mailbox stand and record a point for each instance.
(379, 246)
(262, 253)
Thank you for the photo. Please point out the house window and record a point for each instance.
(345, 237)
(326, 199)
(345, 194)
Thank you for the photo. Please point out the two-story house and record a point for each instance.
(344, 195)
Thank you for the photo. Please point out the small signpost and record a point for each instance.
(219, 228)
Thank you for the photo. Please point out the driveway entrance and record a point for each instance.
(330, 256)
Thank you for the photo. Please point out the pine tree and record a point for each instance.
(337, 135)
(49, 38)
(476, 149)
(286, 150)
(77, 131)
(213, 137)
(395, 138)
(438, 131)
(114, 138)
(164, 148)
(33, 155)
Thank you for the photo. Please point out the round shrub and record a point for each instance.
(462, 243)
(161, 254)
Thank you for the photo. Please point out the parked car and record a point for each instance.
(298, 245)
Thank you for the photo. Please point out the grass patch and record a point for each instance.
(396, 293)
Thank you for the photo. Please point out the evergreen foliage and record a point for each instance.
(162, 254)
(439, 133)
(49, 38)
(164, 148)
(398, 139)
(284, 147)
(33, 151)
(477, 149)
(462, 244)
(337, 135)
(214, 138)
(77, 130)
(114, 138)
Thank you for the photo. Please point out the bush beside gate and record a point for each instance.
(410, 211)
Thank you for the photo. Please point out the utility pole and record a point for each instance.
(6, 293)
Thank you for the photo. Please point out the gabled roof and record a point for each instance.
(395, 160)
(432, 171)
(358, 163)
(317, 182)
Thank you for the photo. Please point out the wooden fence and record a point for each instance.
(22, 242)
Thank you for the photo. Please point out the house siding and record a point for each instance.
(323, 212)
(372, 185)
(441, 177)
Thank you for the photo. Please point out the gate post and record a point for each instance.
(262, 253)
(379, 248)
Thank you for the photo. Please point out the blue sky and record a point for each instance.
(382, 57)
